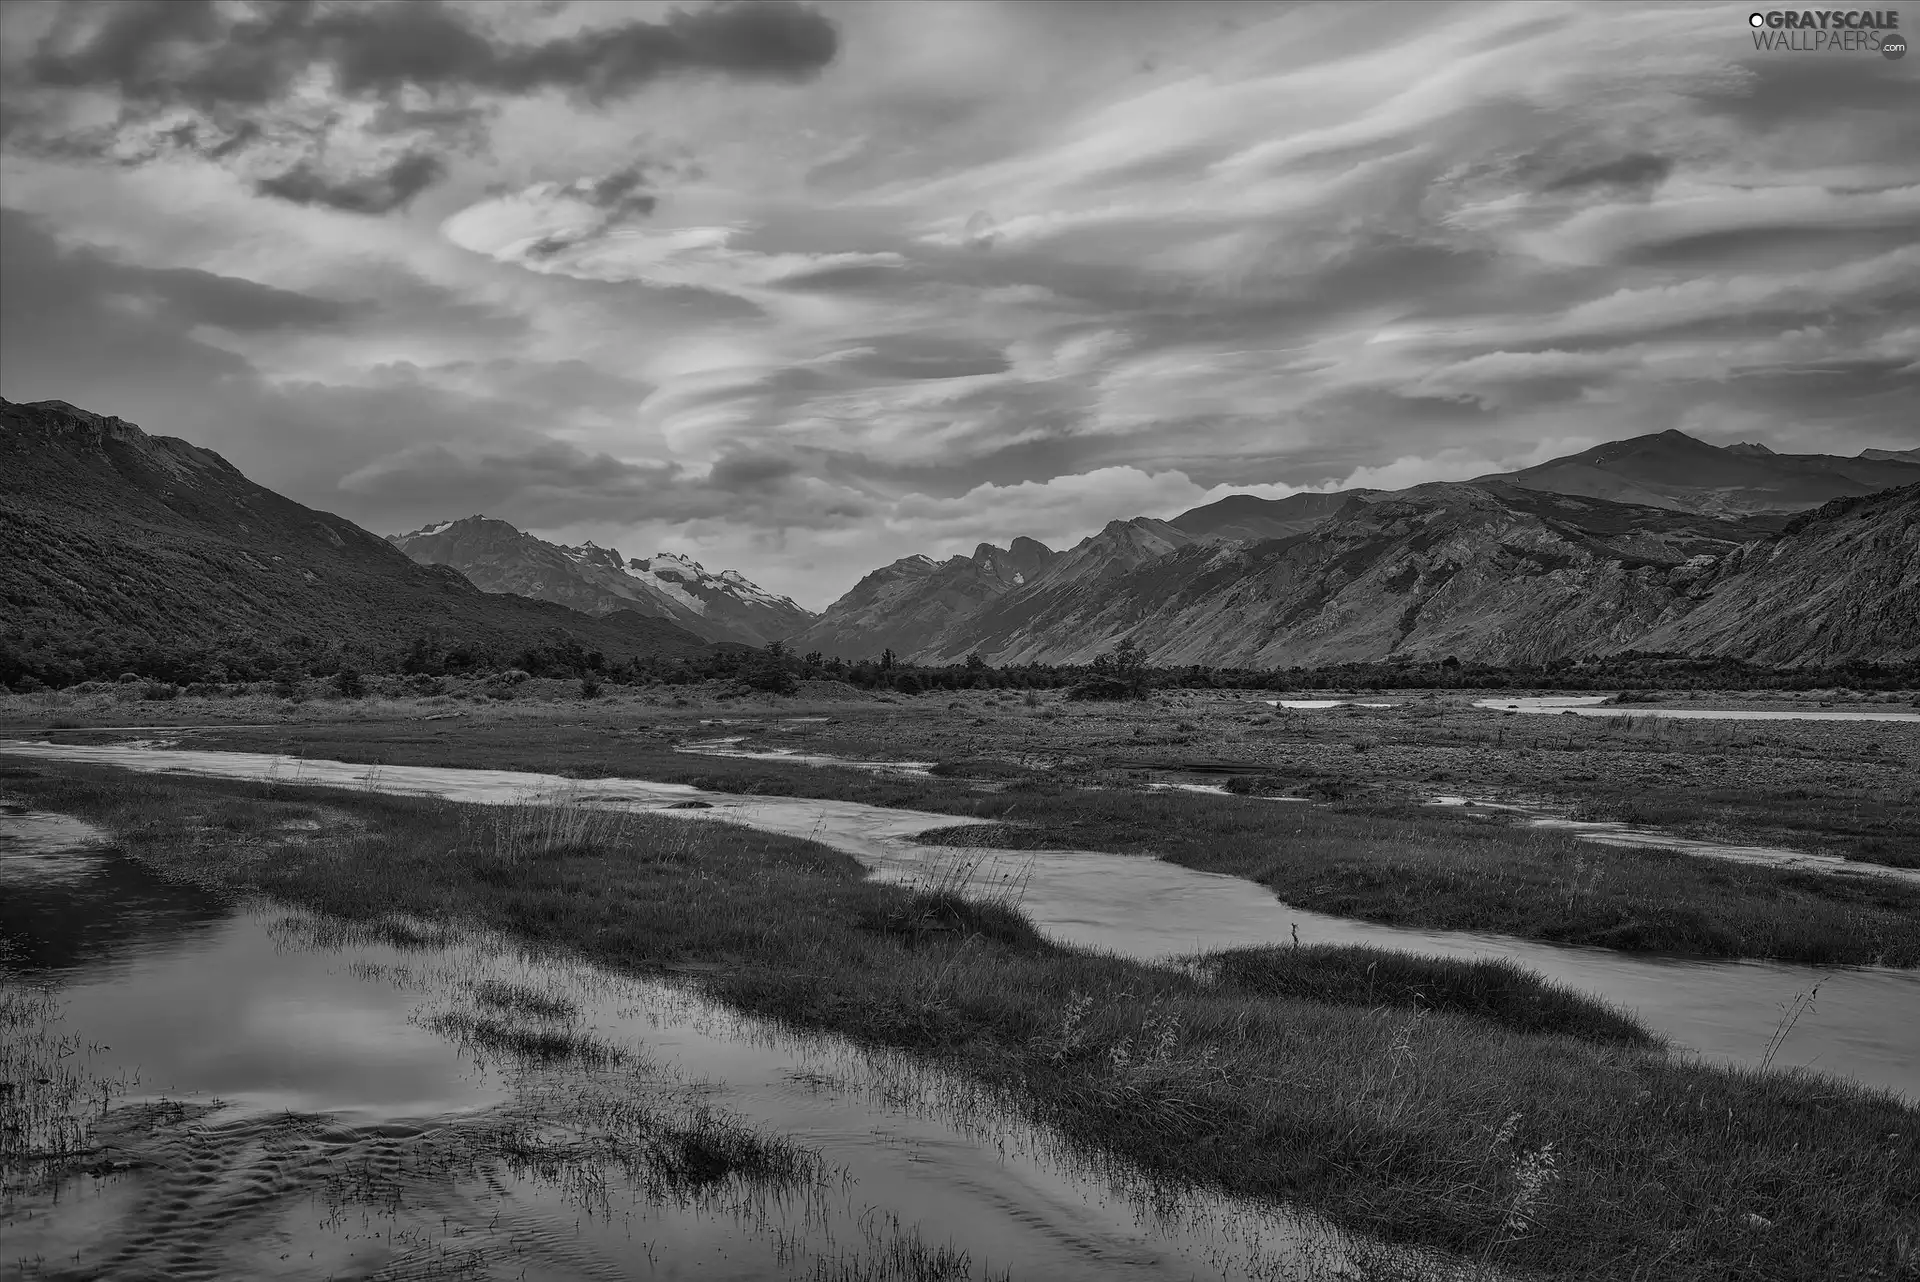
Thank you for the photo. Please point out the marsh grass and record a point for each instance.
(525, 1001)
(501, 1038)
(51, 1097)
(1383, 1108)
(1362, 856)
(896, 1252)
(1492, 989)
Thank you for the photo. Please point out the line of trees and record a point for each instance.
(1122, 672)
(29, 662)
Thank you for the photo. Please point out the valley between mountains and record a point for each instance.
(1658, 543)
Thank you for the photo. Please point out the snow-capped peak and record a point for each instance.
(673, 559)
(694, 586)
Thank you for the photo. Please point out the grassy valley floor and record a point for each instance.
(1500, 1119)
(1070, 776)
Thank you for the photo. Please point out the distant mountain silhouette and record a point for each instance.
(1673, 470)
(1245, 518)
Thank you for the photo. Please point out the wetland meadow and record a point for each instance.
(673, 982)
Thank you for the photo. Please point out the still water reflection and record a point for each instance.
(288, 1098)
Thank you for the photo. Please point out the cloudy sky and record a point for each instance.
(803, 288)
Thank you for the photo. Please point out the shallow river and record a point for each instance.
(1860, 1026)
(1589, 706)
(325, 1120)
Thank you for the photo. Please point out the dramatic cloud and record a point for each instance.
(308, 79)
(805, 288)
(374, 193)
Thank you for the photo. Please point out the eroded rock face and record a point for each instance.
(1841, 582)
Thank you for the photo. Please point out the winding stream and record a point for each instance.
(1860, 1026)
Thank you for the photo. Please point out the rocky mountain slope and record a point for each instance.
(1673, 470)
(497, 557)
(1493, 572)
(1840, 582)
(113, 538)
(1599, 551)
(902, 607)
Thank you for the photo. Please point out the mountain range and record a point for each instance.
(1662, 541)
(496, 557)
(112, 540)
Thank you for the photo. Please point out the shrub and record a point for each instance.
(347, 682)
(29, 685)
(158, 691)
(772, 678)
(286, 681)
(1101, 688)
(589, 687)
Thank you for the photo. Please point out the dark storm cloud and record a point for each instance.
(620, 191)
(200, 54)
(238, 67)
(1639, 169)
(750, 471)
(370, 193)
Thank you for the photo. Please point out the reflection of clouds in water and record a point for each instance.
(37, 847)
(574, 1167)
